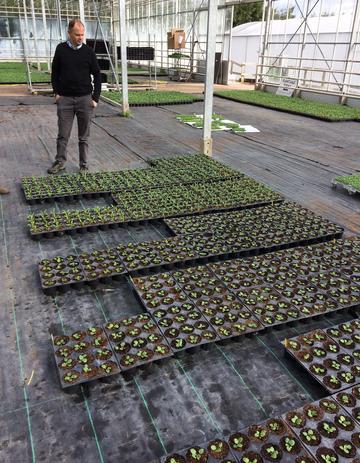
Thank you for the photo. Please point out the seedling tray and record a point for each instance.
(181, 323)
(349, 399)
(329, 368)
(220, 307)
(152, 289)
(102, 265)
(282, 444)
(80, 350)
(251, 275)
(348, 188)
(204, 453)
(60, 272)
(348, 331)
(136, 341)
(324, 425)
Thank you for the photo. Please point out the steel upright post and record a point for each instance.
(123, 43)
(206, 146)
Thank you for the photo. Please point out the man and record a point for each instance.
(73, 65)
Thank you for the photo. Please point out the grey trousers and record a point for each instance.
(67, 108)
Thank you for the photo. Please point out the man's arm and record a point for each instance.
(55, 72)
(95, 71)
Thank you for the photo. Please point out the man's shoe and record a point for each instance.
(3, 191)
(56, 167)
(84, 169)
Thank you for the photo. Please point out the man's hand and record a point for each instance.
(57, 98)
(93, 103)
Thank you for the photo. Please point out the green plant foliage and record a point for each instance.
(326, 111)
(154, 97)
(16, 73)
(351, 180)
(218, 122)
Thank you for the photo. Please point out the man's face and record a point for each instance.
(76, 34)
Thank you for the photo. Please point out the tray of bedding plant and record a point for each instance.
(323, 358)
(220, 307)
(306, 297)
(348, 336)
(83, 356)
(268, 441)
(349, 399)
(181, 322)
(215, 451)
(102, 265)
(262, 300)
(61, 273)
(136, 341)
(155, 291)
(301, 298)
(342, 289)
(155, 254)
(326, 430)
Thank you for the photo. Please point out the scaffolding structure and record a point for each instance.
(316, 44)
(31, 29)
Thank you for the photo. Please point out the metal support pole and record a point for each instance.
(155, 76)
(123, 43)
(230, 33)
(58, 12)
(82, 15)
(265, 41)
(302, 48)
(46, 38)
(206, 146)
(114, 40)
(106, 47)
(35, 34)
(25, 45)
(351, 52)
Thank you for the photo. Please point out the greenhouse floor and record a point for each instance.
(186, 400)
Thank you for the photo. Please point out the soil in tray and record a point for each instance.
(158, 290)
(158, 282)
(323, 358)
(215, 451)
(183, 328)
(83, 356)
(268, 441)
(101, 264)
(349, 399)
(268, 305)
(219, 306)
(347, 335)
(347, 295)
(323, 427)
(60, 271)
(136, 341)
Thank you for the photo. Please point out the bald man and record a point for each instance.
(73, 67)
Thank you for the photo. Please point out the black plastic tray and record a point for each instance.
(89, 349)
(314, 424)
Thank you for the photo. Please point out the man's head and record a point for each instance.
(76, 32)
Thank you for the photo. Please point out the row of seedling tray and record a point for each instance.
(321, 432)
(229, 291)
(277, 287)
(131, 342)
(188, 308)
(136, 206)
(331, 356)
(62, 271)
(163, 172)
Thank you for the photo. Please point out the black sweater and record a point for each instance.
(72, 69)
